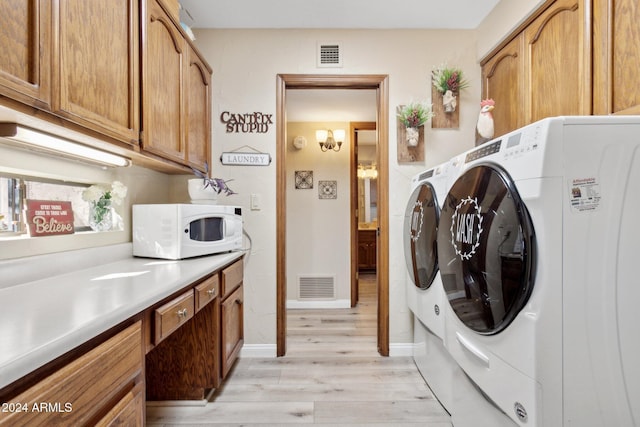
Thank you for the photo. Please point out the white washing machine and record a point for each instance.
(425, 296)
(536, 250)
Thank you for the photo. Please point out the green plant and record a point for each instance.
(445, 78)
(415, 114)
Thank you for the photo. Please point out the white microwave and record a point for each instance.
(177, 231)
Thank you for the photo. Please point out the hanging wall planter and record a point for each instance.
(411, 120)
(447, 82)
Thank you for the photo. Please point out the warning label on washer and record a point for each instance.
(584, 194)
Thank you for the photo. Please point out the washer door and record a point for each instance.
(486, 246)
(420, 233)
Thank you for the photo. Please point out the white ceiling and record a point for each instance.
(348, 14)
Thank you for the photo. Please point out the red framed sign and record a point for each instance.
(49, 217)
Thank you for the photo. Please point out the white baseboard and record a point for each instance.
(259, 350)
(270, 350)
(401, 349)
(337, 303)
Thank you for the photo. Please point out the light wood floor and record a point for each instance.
(332, 375)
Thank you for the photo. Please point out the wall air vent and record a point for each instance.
(316, 287)
(329, 55)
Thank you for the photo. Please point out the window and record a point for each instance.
(15, 190)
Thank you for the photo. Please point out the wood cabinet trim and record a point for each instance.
(170, 28)
(549, 18)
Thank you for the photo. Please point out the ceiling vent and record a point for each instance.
(329, 55)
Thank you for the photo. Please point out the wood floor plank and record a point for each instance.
(331, 376)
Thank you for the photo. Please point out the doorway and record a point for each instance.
(363, 223)
(304, 81)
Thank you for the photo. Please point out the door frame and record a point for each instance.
(379, 82)
(354, 127)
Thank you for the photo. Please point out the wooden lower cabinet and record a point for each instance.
(196, 356)
(104, 386)
(186, 364)
(367, 249)
(232, 329)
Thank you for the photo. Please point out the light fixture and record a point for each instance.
(57, 145)
(330, 140)
(367, 172)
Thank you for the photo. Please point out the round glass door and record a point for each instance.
(486, 245)
(420, 233)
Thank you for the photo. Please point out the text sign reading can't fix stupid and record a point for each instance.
(246, 122)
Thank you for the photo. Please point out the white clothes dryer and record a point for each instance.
(424, 293)
(536, 250)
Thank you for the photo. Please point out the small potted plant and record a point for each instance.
(204, 189)
(412, 116)
(449, 81)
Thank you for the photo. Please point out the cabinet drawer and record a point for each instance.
(74, 394)
(231, 278)
(207, 291)
(172, 315)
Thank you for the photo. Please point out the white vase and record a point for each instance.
(413, 136)
(201, 195)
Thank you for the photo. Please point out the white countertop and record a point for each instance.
(43, 319)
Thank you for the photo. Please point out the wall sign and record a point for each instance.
(49, 217)
(246, 122)
(245, 158)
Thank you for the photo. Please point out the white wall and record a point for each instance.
(318, 239)
(502, 20)
(245, 65)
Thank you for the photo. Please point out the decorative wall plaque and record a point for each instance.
(327, 189)
(49, 217)
(304, 180)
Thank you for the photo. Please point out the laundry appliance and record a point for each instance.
(425, 296)
(536, 250)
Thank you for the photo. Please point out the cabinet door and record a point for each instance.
(503, 81)
(616, 57)
(25, 51)
(232, 329)
(163, 58)
(96, 66)
(198, 109)
(558, 62)
(78, 392)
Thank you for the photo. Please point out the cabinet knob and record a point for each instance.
(182, 313)
(211, 292)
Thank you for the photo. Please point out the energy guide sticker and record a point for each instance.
(584, 194)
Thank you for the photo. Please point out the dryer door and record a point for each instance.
(420, 232)
(486, 246)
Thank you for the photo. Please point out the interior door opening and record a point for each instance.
(380, 84)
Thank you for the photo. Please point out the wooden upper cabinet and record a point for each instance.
(198, 109)
(25, 51)
(503, 81)
(616, 56)
(96, 66)
(164, 54)
(558, 62)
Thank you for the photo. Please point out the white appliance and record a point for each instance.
(425, 296)
(176, 231)
(536, 246)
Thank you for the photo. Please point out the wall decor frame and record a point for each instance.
(327, 189)
(304, 180)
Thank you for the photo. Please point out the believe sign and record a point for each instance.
(49, 217)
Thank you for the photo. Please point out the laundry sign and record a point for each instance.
(49, 217)
(245, 158)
